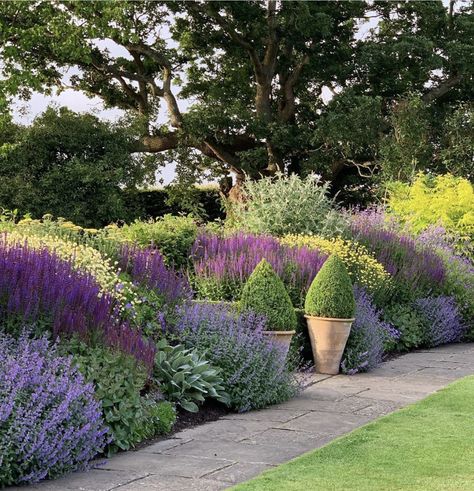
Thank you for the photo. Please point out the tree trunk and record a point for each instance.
(236, 193)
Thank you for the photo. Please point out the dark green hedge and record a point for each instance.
(152, 204)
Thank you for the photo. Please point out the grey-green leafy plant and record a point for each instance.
(330, 294)
(287, 205)
(186, 377)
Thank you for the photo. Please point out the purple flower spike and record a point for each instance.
(36, 285)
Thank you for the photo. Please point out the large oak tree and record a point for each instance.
(254, 71)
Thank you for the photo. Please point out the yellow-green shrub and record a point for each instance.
(444, 200)
(361, 265)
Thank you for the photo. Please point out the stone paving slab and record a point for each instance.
(236, 448)
(94, 480)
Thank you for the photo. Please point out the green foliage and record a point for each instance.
(251, 113)
(186, 378)
(172, 236)
(118, 382)
(330, 293)
(409, 322)
(408, 148)
(265, 293)
(348, 129)
(70, 165)
(156, 202)
(457, 151)
(159, 418)
(287, 205)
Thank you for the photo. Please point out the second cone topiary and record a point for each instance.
(265, 293)
(330, 294)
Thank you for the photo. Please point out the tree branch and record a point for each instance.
(269, 60)
(443, 88)
(176, 118)
(229, 29)
(157, 143)
(288, 107)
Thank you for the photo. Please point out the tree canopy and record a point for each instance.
(69, 165)
(254, 74)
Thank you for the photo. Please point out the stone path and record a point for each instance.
(236, 448)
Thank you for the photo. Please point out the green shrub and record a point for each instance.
(265, 293)
(330, 293)
(172, 235)
(287, 205)
(118, 382)
(186, 378)
(159, 418)
(155, 202)
(409, 322)
(71, 165)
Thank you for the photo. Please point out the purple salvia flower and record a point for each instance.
(147, 268)
(36, 285)
(227, 262)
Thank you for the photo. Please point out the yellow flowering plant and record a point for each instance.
(361, 265)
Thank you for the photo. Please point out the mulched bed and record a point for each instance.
(209, 411)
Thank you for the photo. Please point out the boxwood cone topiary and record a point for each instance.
(265, 293)
(330, 294)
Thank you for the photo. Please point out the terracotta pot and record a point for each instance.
(328, 340)
(283, 338)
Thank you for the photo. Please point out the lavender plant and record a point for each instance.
(368, 338)
(36, 286)
(252, 366)
(223, 264)
(50, 421)
(443, 323)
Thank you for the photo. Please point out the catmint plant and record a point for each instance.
(253, 366)
(442, 320)
(50, 421)
(368, 337)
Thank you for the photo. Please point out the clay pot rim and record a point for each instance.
(332, 319)
(280, 333)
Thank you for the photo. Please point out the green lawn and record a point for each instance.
(428, 446)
